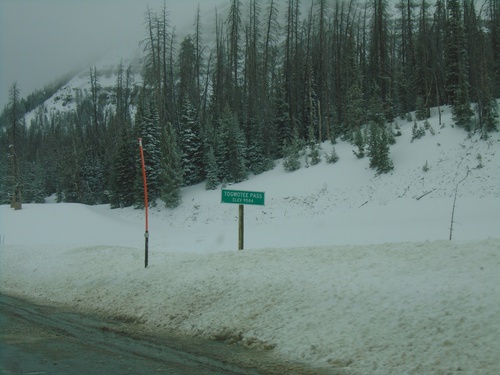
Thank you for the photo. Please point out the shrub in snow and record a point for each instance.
(422, 111)
(378, 149)
(417, 132)
(359, 142)
(480, 161)
(397, 133)
(333, 157)
(291, 152)
(391, 137)
(461, 110)
(314, 154)
(313, 148)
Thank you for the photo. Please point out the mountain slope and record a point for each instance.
(343, 269)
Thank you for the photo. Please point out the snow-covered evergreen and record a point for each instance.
(291, 154)
(191, 143)
(171, 168)
(125, 171)
(148, 128)
(231, 149)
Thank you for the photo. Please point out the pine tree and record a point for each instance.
(384, 160)
(378, 149)
(15, 145)
(171, 168)
(231, 149)
(457, 85)
(234, 31)
(313, 147)
(494, 44)
(425, 61)
(256, 156)
(379, 63)
(373, 144)
(291, 154)
(360, 143)
(355, 112)
(488, 113)
(212, 172)
(147, 128)
(417, 132)
(486, 105)
(4, 179)
(282, 123)
(94, 183)
(187, 86)
(422, 112)
(376, 109)
(333, 157)
(191, 146)
(125, 173)
(34, 183)
(461, 109)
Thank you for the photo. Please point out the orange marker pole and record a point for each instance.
(146, 205)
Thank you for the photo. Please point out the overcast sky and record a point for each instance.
(41, 40)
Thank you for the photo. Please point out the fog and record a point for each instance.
(42, 40)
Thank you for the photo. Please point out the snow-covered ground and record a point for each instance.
(342, 268)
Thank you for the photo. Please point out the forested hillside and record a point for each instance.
(272, 80)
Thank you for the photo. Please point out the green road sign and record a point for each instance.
(243, 197)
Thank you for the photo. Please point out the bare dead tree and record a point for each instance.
(454, 204)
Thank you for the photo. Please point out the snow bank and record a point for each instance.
(409, 308)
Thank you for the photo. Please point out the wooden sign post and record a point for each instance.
(241, 226)
(241, 198)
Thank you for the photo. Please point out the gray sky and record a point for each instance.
(41, 40)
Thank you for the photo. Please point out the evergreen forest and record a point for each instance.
(275, 80)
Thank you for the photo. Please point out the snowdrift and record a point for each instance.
(408, 308)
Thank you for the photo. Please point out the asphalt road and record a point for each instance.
(46, 340)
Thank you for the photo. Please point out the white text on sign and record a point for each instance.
(243, 197)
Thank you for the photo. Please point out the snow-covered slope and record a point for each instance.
(65, 99)
(342, 268)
